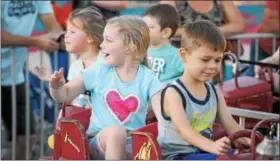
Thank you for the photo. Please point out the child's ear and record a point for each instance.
(131, 49)
(183, 54)
(166, 32)
(90, 40)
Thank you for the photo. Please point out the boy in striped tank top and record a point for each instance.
(191, 104)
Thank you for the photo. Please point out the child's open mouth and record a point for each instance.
(106, 55)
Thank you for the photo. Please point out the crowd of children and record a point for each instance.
(127, 63)
(122, 85)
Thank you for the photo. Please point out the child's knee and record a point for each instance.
(112, 135)
(116, 133)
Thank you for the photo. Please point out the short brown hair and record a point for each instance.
(202, 33)
(166, 15)
(92, 22)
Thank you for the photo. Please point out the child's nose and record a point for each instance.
(102, 45)
(66, 35)
(213, 65)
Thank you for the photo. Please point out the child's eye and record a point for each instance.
(205, 60)
(71, 32)
(218, 61)
(108, 40)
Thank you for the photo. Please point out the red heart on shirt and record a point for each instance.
(121, 108)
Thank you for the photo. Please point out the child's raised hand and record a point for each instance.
(43, 73)
(221, 146)
(57, 79)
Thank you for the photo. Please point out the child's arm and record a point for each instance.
(227, 121)
(43, 41)
(173, 107)
(155, 101)
(225, 117)
(61, 92)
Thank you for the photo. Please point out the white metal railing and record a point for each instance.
(252, 36)
(256, 37)
(41, 133)
(245, 113)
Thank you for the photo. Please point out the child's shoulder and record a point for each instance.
(100, 64)
(170, 51)
(98, 67)
(148, 81)
(168, 48)
(96, 72)
(171, 47)
(146, 71)
(77, 63)
(209, 83)
(147, 75)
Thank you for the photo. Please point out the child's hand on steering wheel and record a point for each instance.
(244, 141)
(221, 146)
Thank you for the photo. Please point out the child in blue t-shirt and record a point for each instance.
(163, 21)
(121, 86)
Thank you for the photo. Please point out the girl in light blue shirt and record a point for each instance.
(121, 86)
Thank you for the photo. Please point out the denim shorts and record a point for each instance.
(97, 153)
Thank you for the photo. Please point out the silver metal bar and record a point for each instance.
(252, 114)
(14, 105)
(273, 45)
(27, 110)
(56, 69)
(42, 108)
(252, 36)
(243, 36)
(238, 48)
(256, 50)
(278, 131)
(242, 122)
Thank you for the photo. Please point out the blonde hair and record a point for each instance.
(134, 31)
(92, 22)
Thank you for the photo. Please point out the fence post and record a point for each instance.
(14, 105)
(42, 109)
(56, 69)
(27, 110)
